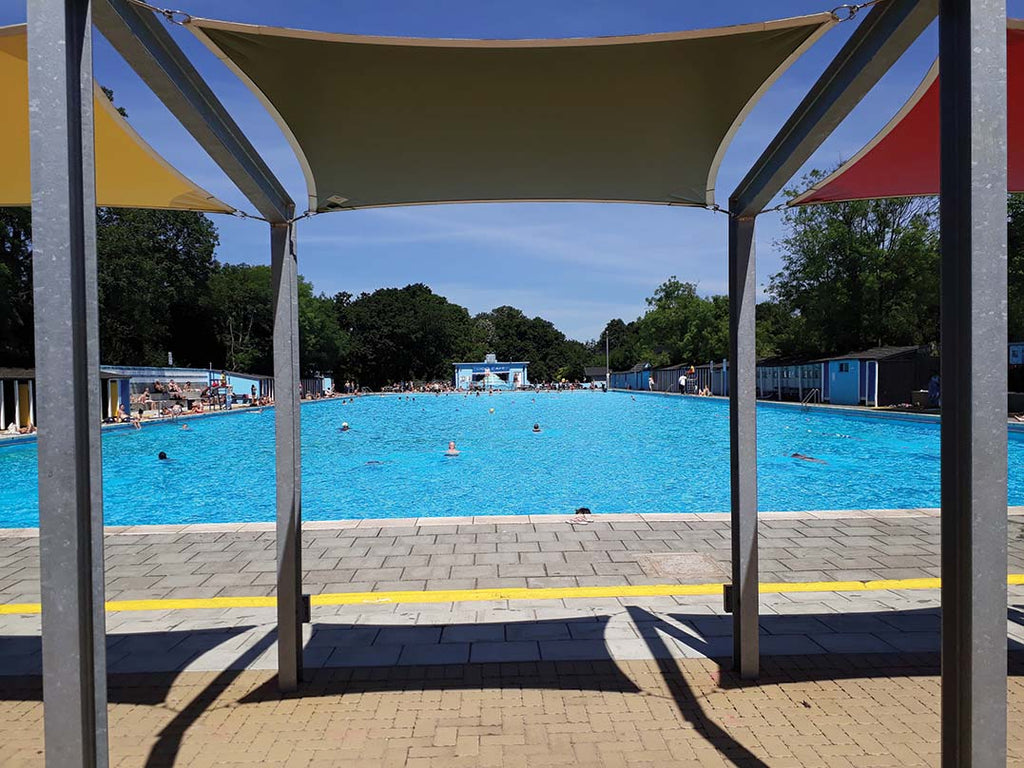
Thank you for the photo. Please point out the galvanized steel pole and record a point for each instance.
(67, 377)
(284, 268)
(972, 61)
(743, 445)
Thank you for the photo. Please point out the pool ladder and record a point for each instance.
(812, 395)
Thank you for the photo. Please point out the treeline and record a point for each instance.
(162, 291)
(854, 275)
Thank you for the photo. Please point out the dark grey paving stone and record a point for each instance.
(374, 656)
(852, 642)
(573, 650)
(548, 630)
(855, 623)
(399, 635)
(473, 633)
(793, 625)
(788, 645)
(449, 653)
(324, 635)
(483, 653)
(912, 642)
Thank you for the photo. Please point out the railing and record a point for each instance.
(812, 395)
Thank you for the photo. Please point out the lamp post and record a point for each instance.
(607, 364)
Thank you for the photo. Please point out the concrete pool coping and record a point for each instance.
(426, 522)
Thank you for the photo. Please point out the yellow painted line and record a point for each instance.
(510, 593)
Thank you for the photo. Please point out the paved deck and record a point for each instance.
(842, 711)
(466, 553)
(590, 681)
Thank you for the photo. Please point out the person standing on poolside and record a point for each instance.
(682, 384)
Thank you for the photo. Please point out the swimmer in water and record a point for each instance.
(184, 427)
(536, 429)
(807, 458)
(344, 427)
(162, 456)
(452, 450)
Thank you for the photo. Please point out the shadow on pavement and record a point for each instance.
(557, 654)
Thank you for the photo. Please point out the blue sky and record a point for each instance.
(576, 265)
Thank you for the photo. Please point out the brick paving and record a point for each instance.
(850, 676)
(849, 711)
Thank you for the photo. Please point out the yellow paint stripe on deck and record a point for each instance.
(510, 593)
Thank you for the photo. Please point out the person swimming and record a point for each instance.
(344, 427)
(184, 427)
(806, 458)
(452, 450)
(162, 456)
(536, 429)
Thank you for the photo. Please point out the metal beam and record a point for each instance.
(972, 64)
(284, 268)
(879, 40)
(67, 375)
(743, 446)
(151, 51)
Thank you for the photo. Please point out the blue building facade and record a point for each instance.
(491, 374)
(636, 378)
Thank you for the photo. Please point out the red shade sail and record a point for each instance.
(903, 159)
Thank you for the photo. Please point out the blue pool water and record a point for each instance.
(609, 452)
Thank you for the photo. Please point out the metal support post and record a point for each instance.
(743, 446)
(67, 372)
(289, 455)
(972, 62)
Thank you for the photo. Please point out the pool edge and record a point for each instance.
(410, 522)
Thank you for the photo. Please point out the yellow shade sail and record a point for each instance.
(129, 173)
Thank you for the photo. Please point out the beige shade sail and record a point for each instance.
(402, 121)
(129, 173)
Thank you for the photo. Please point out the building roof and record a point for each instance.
(784, 360)
(875, 353)
(496, 362)
(636, 368)
(378, 121)
(30, 373)
(129, 172)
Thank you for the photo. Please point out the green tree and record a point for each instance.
(862, 273)
(154, 272)
(402, 334)
(623, 345)
(511, 335)
(1015, 266)
(323, 345)
(240, 303)
(16, 329)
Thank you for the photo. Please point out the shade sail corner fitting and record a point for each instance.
(425, 121)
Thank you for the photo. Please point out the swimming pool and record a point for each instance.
(609, 452)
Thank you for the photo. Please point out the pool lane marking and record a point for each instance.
(509, 593)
